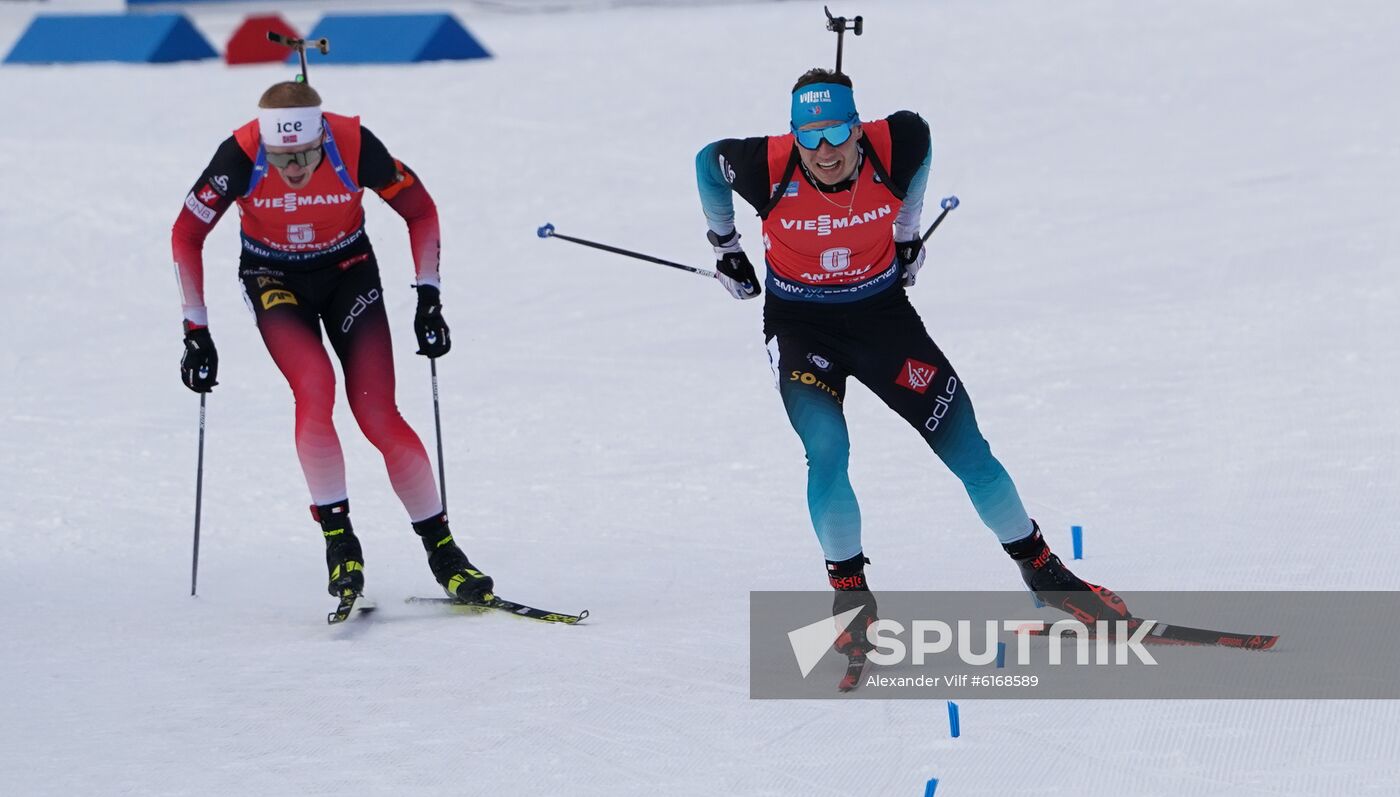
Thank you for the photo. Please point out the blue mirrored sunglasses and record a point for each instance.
(835, 135)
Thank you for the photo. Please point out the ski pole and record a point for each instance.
(948, 203)
(198, 498)
(437, 421)
(547, 231)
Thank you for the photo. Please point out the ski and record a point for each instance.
(349, 602)
(495, 603)
(1186, 635)
(855, 668)
(1171, 634)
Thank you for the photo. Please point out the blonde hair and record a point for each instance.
(290, 94)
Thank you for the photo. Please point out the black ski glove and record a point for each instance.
(199, 368)
(736, 273)
(434, 338)
(911, 259)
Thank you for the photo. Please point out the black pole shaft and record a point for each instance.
(198, 498)
(935, 224)
(628, 253)
(301, 50)
(437, 421)
(840, 35)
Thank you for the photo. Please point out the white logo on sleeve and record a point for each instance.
(201, 211)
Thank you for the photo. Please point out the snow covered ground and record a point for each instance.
(1171, 288)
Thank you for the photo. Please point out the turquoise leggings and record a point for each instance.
(889, 351)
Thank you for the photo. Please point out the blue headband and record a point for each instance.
(823, 102)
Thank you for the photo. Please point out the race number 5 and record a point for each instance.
(301, 233)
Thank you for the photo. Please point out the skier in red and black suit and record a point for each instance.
(841, 201)
(298, 177)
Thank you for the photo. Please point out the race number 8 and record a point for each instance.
(838, 259)
(301, 233)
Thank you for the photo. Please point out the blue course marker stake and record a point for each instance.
(1001, 655)
(1039, 604)
(953, 726)
(931, 787)
(1076, 533)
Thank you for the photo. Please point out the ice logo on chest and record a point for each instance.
(825, 223)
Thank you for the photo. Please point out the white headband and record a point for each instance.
(289, 127)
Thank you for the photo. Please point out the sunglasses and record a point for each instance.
(282, 160)
(835, 135)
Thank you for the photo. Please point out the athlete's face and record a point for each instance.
(295, 172)
(831, 164)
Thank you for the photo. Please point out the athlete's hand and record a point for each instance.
(736, 273)
(199, 368)
(911, 259)
(434, 338)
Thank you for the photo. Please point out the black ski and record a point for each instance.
(347, 605)
(1186, 635)
(1170, 634)
(495, 603)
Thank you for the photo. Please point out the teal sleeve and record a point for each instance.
(907, 221)
(716, 197)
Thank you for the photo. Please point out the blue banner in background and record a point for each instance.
(392, 39)
(189, 2)
(85, 38)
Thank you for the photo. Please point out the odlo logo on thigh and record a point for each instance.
(916, 375)
(941, 404)
(362, 303)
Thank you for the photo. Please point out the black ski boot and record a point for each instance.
(848, 579)
(344, 560)
(1055, 585)
(457, 575)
